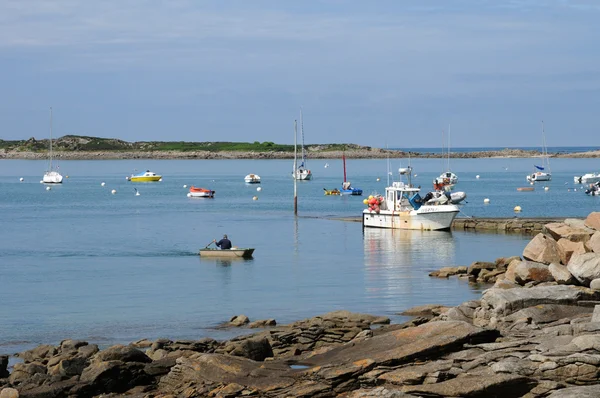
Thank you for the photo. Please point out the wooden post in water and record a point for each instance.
(295, 168)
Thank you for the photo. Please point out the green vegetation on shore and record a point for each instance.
(84, 143)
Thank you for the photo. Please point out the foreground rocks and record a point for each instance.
(535, 333)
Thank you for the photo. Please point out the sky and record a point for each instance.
(380, 73)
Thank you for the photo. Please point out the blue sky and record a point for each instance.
(369, 72)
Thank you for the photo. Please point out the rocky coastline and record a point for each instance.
(355, 153)
(534, 333)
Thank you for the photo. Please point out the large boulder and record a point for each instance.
(542, 249)
(594, 243)
(568, 248)
(593, 221)
(561, 274)
(112, 376)
(585, 267)
(41, 353)
(257, 349)
(492, 385)
(577, 392)
(530, 271)
(498, 303)
(122, 353)
(563, 231)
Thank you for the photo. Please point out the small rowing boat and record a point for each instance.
(233, 252)
(196, 192)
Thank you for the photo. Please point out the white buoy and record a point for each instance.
(255, 198)
(184, 185)
(486, 200)
(477, 176)
(137, 193)
(48, 188)
(415, 175)
(517, 208)
(21, 179)
(378, 179)
(259, 189)
(41, 182)
(102, 184)
(160, 180)
(546, 188)
(575, 190)
(114, 191)
(531, 183)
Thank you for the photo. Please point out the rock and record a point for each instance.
(449, 271)
(239, 320)
(577, 392)
(547, 313)
(415, 374)
(23, 371)
(594, 243)
(143, 343)
(160, 367)
(585, 267)
(262, 323)
(568, 248)
(593, 221)
(38, 354)
(87, 351)
(563, 231)
(494, 385)
(3, 366)
(477, 266)
(69, 367)
(496, 303)
(9, 393)
(503, 262)
(71, 345)
(596, 314)
(529, 271)
(428, 310)
(542, 249)
(595, 284)
(257, 349)
(510, 270)
(112, 376)
(561, 274)
(122, 353)
(505, 284)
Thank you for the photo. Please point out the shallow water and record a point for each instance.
(79, 262)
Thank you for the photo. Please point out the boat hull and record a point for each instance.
(587, 179)
(539, 177)
(252, 179)
(209, 195)
(427, 218)
(145, 179)
(52, 177)
(303, 175)
(228, 253)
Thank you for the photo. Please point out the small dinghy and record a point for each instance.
(200, 193)
(233, 252)
(252, 179)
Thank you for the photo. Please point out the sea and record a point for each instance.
(79, 261)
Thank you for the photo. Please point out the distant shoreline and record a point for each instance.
(363, 153)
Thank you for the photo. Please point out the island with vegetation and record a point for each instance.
(83, 148)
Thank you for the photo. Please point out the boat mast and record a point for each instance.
(545, 148)
(50, 139)
(302, 134)
(295, 164)
(344, 160)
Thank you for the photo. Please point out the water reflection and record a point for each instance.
(397, 262)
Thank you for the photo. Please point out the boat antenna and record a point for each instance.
(295, 164)
(388, 164)
(448, 146)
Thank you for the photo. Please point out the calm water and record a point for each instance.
(79, 262)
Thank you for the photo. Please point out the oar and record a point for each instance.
(209, 244)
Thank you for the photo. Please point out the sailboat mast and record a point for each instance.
(344, 160)
(295, 171)
(302, 134)
(448, 147)
(545, 149)
(50, 138)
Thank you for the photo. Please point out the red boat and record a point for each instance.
(200, 193)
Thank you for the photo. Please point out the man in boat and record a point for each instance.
(223, 243)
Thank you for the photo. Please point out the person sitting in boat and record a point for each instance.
(224, 243)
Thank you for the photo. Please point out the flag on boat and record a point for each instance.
(539, 167)
(302, 164)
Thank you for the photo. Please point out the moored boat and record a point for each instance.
(588, 178)
(52, 175)
(146, 176)
(403, 208)
(196, 192)
(542, 173)
(233, 252)
(333, 191)
(347, 188)
(252, 179)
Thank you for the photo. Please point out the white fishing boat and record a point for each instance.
(302, 172)
(252, 179)
(403, 208)
(52, 176)
(589, 178)
(542, 173)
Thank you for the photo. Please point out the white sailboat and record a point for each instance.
(302, 172)
(447, 179)
(542, 173)
(52, 176)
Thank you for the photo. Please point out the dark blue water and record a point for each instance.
(79, 262)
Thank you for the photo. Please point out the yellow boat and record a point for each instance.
(145, 177)
(333, 191)
(233, 252)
